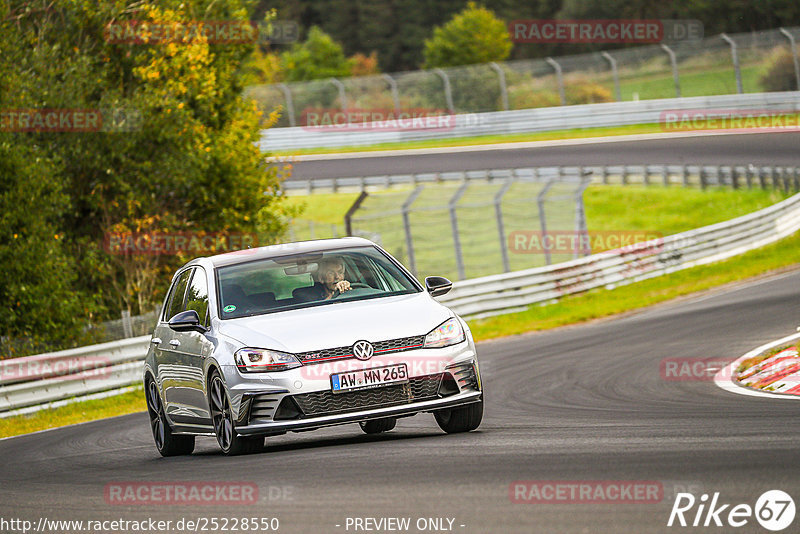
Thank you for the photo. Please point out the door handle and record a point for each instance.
(156, 341)
(174, 342)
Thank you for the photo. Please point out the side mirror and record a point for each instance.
(437, 285)
(186, 321)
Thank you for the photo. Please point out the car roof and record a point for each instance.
(284, 249)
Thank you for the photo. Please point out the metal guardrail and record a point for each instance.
(493, 295)
(37, 380)
(686, 175)
(529, 120)
(44, 378)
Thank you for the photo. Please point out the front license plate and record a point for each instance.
(369, 378)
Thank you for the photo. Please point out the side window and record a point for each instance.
(178, 292)
(197, 297)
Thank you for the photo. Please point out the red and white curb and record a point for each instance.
(778, 369)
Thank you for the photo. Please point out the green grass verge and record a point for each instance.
(77, 412)
(667, 210)
(600, 303)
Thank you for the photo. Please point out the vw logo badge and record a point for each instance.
(363, 350)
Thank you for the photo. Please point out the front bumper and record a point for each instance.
(364, 415)
(301, 399)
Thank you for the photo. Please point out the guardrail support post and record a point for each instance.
(794, 57)
(685, 175)
(761, 179)
(342, 94)
(560, 77)
(448, 91)
(615, 74)
(393, 87)
(665, 176)
(287, 95)
(501, 231)
(540, 198)
(735, 176)
(735, 56)
(748, 174)
(773, 175)
(605, 175)
(796, 180)
(702, 177)
(451, 207)
(501, 76)
(674, 62)
(412, 261)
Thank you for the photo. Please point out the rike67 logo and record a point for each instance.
(774, 510)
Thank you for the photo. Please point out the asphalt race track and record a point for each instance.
(740, 149)
(578, 403)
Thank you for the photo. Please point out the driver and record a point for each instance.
(331, 277)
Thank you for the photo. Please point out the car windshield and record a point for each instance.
(312, 279)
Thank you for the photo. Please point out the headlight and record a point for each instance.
(446, 334)
(261, 360)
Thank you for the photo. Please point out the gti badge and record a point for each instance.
(363, 350)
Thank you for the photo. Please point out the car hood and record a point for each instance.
(340, 324)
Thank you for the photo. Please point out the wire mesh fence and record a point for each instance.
(460, 229)
(712, 66)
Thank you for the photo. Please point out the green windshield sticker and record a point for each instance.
(229, 308)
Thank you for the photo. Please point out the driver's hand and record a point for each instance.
(343, 286)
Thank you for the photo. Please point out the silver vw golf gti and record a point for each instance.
(301, 336)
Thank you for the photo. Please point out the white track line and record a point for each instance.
(724, 377)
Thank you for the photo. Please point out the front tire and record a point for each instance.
(376, 426)
(222, 417)
(167, 443)
(461, 419)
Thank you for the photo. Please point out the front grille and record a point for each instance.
(327, 403)
(381, 347)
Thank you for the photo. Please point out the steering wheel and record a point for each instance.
(353, 285)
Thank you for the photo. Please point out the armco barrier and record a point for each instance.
(479, 297)
(531, 120)
(492, 295)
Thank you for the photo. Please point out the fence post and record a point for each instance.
(342, 94)
(287, 95)
(542, 223)
(665, 175)
(761, 179)
(794, 56)
(614, 73)
(451, 207)
(127, 325)
(685, 175)
(735, 56)
(702, 177)
(412, 261)
(348, 217)
(501, 76)
(393, 86)
(773, 175)
(448, 92)
(735, 176)
(560, 77)
(674, 62)
(796, 179)
(581, 229)
(605, 174)
(501, 231)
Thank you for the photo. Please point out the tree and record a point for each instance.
(318, 57)
(189, 163)
(473, 36)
